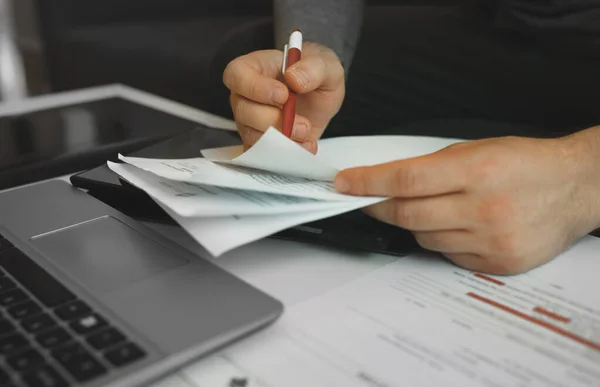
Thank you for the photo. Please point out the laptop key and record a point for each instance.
(37, 280)
(124, 355)
(72, 310)
(25, 360)
(78, 362)
(4, 378)
(38, 323)
(106, 338)
(88, 324)
(5, 326)
(6, 284)
(53, 338)
(68, 352)
(12, 297)
(45, 376)
(12, 343)
(24, 310)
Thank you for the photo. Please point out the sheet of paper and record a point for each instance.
(205, 172)
(200, 193)
(333, 155)
(275, 153)
(354, 151)
(422, 321)
(193, 200)
(221, 234)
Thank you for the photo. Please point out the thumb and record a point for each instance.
(323, 72)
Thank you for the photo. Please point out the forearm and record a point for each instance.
(332, 23)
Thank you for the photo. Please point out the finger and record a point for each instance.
(447, 212)
(447, 242)
(249, 135)
(311, 146)
(479, 263)
(250, 77)
(468, 261)
(260, 117)
(430, 175)
(322, 71)
(254, 114)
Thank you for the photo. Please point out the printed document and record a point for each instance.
(190, 199)
(422, 321)
(229, 197)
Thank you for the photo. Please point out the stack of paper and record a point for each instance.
(229, 198)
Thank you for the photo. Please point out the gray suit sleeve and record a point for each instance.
(332, 23)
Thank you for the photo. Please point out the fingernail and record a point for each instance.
(342, 185)
(278, 95)
(301, 75)
(300, 131)
(308, 146)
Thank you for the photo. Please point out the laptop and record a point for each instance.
(89, 296)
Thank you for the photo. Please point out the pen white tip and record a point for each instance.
(296, 40)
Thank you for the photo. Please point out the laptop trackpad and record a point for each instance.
(105, 254)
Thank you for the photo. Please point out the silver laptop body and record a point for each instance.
(134, 305)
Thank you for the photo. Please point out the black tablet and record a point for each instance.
(58, 140)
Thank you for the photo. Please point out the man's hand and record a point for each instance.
(258, 93)
(501, 206)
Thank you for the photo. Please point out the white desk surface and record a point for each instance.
(289, 271)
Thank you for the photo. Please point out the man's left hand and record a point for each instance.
(501, 205)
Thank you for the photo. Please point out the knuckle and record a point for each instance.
(405, 179)
(249, 135)
(485, 170)
(508, 253)
(336, 70)
(496, 210)
(229, 75)
(427, 241)
(254, 89)
(505, 266)
(332, 68)
(364, 181)
(404, 216)
(359, 182)
(239, 109)
(324, 66)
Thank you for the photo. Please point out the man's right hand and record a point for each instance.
(258, 93)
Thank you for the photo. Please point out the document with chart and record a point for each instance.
(421, 321)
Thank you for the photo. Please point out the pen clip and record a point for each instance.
(285, 52)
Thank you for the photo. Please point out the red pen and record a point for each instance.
(291, 54)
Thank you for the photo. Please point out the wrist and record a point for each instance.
(582, 152)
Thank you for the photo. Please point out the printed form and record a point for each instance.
(422, 321)
(229, 198)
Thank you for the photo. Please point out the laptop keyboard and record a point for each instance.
(48, 337)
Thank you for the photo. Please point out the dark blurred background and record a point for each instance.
(174, 48)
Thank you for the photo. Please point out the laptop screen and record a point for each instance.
(62, 140)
